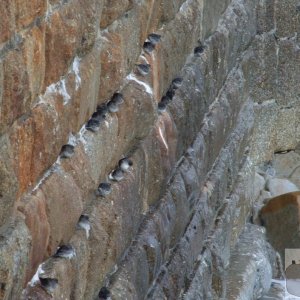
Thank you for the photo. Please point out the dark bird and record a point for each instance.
(92, 125)
(116, 175)
(125, 164)
(102, 109)
(162, 107)
(170, 93)
(65, 251)
(143, 69)
(166, 99)
(104, 189)
(154, 38)
(104, 293)
(177, 83)
(198, 50)
(67, 151)
(148, 47)
(49, 284)
(112, 106)
(84, 223)
(98, 116)
(84, 219)
(117, 98)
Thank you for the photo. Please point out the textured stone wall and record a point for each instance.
(176, 217)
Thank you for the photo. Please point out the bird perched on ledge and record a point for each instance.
(162, 107)
(104, 294)
(99, 116)
(104, 189)
(143, 69)
(48, 284)
(102, 109)
(117, 174)
(170, 93)
(84, 223)
(112, 106)
(125, 164)
(177, 83)
(65, 251)
(199, 49)
(67, 151)
(117, 98)
(148, 47)
(92, 125)
(154, 38)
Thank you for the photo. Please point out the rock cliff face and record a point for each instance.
(170, 228)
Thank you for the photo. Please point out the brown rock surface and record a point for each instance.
(34, 149)
(7, 23)
(64, 207)
(283, 209)
(26, 13)
(15, 92)
(62, 38)
(8, 181)
(36, 220)
(112, 10)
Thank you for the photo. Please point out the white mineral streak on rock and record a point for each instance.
(72, 140)
(185, 6)
(45, 176)
(57, 88)
(148, 89)
(60, 86)
(163, 138)
(87, 228)
(62, 90)
(76, 71)
(35, 277)
(81, 137)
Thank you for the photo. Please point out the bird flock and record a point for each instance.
(124, 164)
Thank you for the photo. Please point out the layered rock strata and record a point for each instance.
(170, 228)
